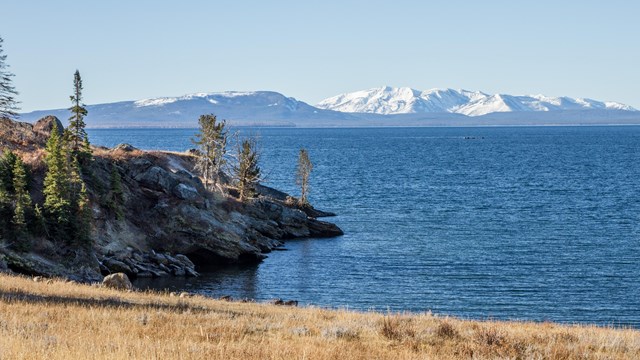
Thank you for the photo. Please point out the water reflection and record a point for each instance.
(240, 282)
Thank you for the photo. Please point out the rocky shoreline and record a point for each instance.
(170, 225)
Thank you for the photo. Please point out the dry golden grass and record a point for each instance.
(58, 320)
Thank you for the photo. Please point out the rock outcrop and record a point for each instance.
(171, 224)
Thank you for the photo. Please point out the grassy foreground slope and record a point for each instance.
(60, 320)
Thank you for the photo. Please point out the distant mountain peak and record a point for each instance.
(212, 97)
(411, 107)
(389, 100)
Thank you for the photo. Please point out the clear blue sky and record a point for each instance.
(127, 50)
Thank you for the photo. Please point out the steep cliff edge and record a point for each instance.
(170, 225)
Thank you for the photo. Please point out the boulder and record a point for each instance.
(324, 229)
(177, 271)
(159, 258)
(161, 273)
(184, 260)
(118, 281)
(185, 192)
(191, 273)
(3, 265)
(125, 147)
(117, 266)
(45, 125)
(164, 268)
(157, 178)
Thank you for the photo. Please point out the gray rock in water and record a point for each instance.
(190, 272)
(184, 260)
(178, 271)
(118, 281)
(159, 258)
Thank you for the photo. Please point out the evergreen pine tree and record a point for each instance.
(8, 102)
(7, 165)
(22, 207)
(22, 202)
(57, 207)
(82, 235)
(115, 197)
(5, 210)
(39, 226)
(75, 181)
(247, 171)
(77, 135)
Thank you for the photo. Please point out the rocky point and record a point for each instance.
(170, 224)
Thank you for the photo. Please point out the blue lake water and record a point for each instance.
(535, 223)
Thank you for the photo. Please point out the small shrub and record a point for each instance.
(396, 329)
(490, 336)
(300, 331)
(230, 205)
(447, 331)
(340, 333)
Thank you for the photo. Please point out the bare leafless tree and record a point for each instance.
(212, 146)
(302, 176)
(247, 172)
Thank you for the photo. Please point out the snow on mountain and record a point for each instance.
(385, 106)
(266, 108)
(389, 100)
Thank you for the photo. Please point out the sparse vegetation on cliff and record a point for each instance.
(133, 211)
(212, 148)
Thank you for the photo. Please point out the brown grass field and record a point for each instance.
(60, 320)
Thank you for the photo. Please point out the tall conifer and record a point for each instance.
(7, 164)
(77, 135)
(115, 196)
(82, 226)
(56, 186)
(8, 102)
(5, 210)
(22, 204)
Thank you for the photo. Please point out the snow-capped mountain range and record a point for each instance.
(385, 106)
(389, 100)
